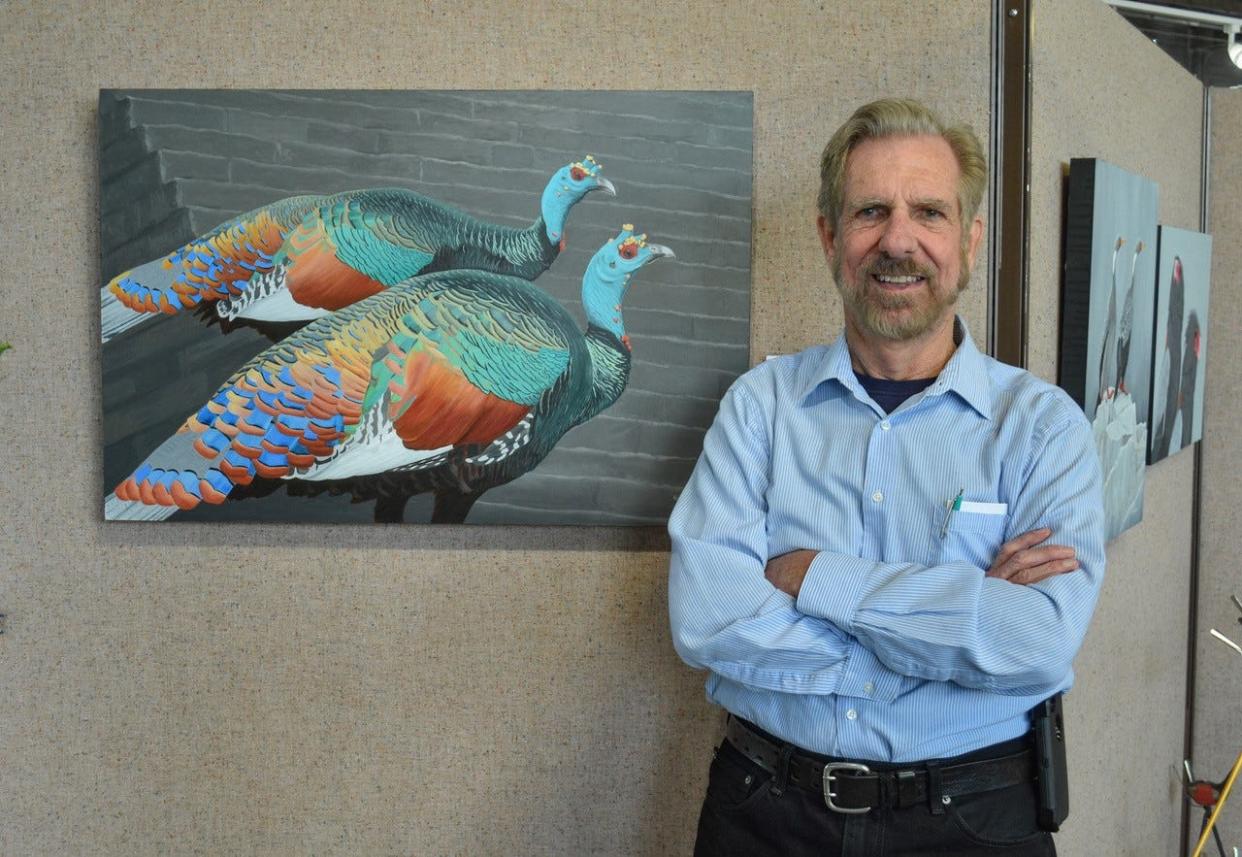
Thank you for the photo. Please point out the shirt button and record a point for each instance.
(878, 496)
(869, 688)
(885, 425)
(852, 714)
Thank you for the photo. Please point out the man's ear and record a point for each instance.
(827, 237)
(976, 236)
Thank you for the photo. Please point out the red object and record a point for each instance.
(1204, 794)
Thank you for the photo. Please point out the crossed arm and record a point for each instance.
(790, 623)
(1023, 560)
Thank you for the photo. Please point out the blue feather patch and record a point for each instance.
(276, 437)
(189, 481)
(259, 420)
(331, 373)
(214, 440)
(274, 459)
(238, 460)
(219, 481)
(293, 425)
(249, 441)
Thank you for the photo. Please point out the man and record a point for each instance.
(891, 547)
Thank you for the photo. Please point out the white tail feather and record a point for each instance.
(115, 317)
(126, 510)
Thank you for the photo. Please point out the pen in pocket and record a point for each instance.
(952, 505)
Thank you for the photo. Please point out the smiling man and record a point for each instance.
(890, 548)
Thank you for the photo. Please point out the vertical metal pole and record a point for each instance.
(996, 115)
(1011, 180)
(1192, 620)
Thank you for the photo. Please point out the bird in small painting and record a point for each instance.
(1125, 327)
(301, 258)
(1118, 331)
(1108, 349)
(1190, 373)
(1168, 385)
(452, 383)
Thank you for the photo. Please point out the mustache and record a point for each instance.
(887, 266)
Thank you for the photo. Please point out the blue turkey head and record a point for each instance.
(608, 275)
(570, 183)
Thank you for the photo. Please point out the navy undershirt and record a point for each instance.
(890, 394)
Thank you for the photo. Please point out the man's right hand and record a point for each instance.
(1025, 560)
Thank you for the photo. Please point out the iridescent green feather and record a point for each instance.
(483, 326)
(366, 241)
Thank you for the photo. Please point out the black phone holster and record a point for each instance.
(1051, 774)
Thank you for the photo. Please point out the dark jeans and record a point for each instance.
(742, 817)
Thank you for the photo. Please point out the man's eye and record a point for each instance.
(933, 213)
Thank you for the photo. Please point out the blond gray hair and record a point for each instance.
(901, 117)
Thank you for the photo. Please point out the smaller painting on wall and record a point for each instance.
(1106, 322)
(1183, 282)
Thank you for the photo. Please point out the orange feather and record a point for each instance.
(317, 278)
(144, 493)
(210, 494)
(236, 475)
(183, 498)
(442, 408)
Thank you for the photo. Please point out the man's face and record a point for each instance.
(900, 254)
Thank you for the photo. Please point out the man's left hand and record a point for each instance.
(786, 571)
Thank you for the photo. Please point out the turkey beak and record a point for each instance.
(606, 186)
(661, 250)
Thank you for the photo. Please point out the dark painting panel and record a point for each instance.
(1107, 317)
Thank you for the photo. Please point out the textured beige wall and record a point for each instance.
(197, 689)
(1218, 669)
(1100, 89)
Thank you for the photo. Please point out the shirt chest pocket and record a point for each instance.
(970, 537)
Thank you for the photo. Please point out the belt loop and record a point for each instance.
(906, 785)
(935, 796)
(781, 780)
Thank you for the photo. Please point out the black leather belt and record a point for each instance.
(852, 787)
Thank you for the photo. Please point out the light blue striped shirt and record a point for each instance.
(897, 647)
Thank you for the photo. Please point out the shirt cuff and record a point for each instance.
(833, 587)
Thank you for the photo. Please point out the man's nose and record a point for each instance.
(898, 239)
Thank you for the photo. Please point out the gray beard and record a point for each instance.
(873, 308)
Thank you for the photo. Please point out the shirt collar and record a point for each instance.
(966, 373)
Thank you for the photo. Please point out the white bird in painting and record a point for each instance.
(1108, 349)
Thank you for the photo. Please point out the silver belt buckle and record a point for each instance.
(830, 770)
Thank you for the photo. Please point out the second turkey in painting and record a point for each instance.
(494, 307)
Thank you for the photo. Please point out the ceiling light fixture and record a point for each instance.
(1230, 25)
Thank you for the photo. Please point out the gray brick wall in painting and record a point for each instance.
(173, 164)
